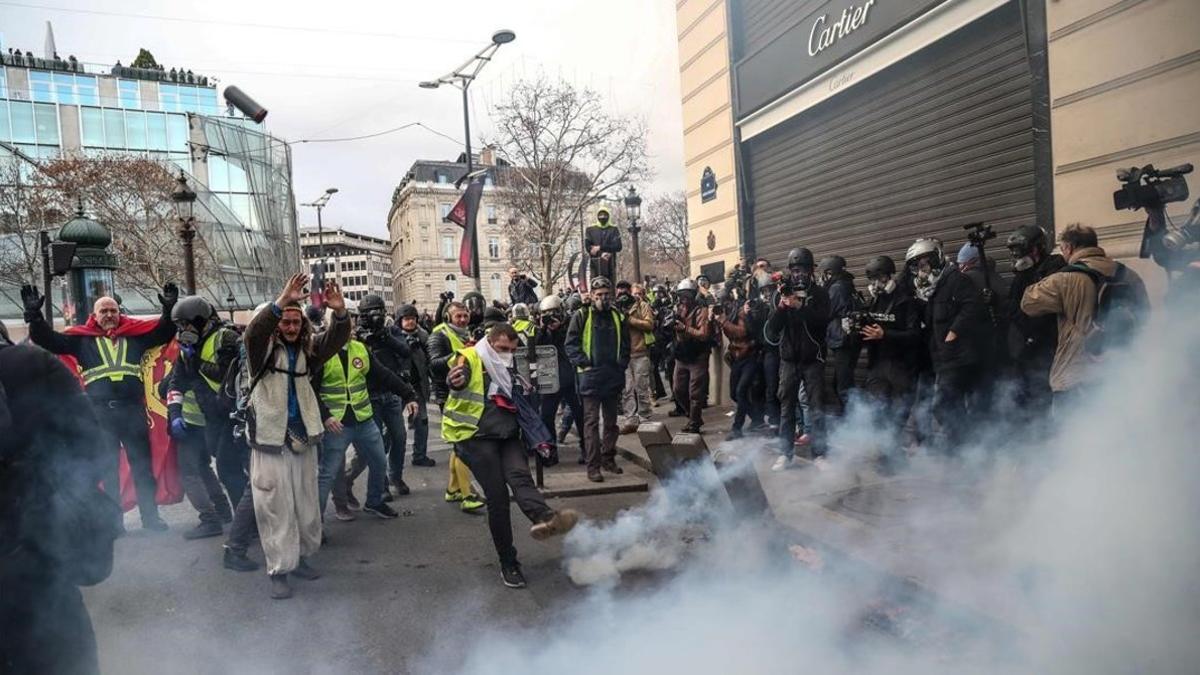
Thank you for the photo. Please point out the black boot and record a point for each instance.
(238, 562)
(280, 590)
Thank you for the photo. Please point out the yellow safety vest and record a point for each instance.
(343, 388)
(192, 414)
(114, 364)
(460, 417)
(587, 333)
(456, 343)
(523, 327)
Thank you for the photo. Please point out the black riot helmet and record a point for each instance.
(475, 304)
(800, 257)
(407, 310)
(833, 264)
(880, 266)
(371, 311)
(1025, 239)
(193, 316)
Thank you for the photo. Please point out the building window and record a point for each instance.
(3, 83)
(491, 214)
(448, 246)
(452, 284)
(129, 93)
(497, 287)
(493, 247)
(442, 178)
(445, 210)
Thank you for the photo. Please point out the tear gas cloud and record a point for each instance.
(1086, 557)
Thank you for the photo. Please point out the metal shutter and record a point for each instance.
(941, 139)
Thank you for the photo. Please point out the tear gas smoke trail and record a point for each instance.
(1098, 559)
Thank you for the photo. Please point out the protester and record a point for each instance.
(740, 326)
(522, 324)
(409, 329)
(1031, 340)
(447, 339)
(693, 346)
(480, 419)
(635, 402)
(553, 333)
(598, 344)
(109, 350)
(602, 241)
(1072, 294)
(285, 426)
(521, 288)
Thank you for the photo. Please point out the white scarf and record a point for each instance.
(501, 378)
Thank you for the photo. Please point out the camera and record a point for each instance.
(1150, 188)
(859, 319)
(979, 233)
(795, 284)
(624, 303)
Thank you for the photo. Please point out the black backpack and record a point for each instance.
(1120, 309)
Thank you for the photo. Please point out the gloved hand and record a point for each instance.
(178, 428)
(188, 351)
(33, 302)
(169, 295)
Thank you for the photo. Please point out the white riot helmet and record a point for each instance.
(922, 247)
(686, 285)
(520, 311)
(550, 303)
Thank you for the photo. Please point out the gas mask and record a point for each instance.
(1023, 263)
(602, 303)
(879, 287)
(188, 334)
(372, 320)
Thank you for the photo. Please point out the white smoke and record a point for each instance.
(1085, 559)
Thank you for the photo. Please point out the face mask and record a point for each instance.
(506, 358)
(602, 304)
(1023, 263)
(188, 336)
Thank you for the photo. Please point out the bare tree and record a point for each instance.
(665, 232)
(27, 205)
(564, 149)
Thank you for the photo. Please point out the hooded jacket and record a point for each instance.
(607, 237)
(1032, 340)
(800, 333)
(603, 373)
(1072, 297)
(955, 305)
(842, 301)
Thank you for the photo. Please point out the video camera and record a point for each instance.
(795, 284)
(979, 233)
(624, 303)
(1150, 188)
(859, 319)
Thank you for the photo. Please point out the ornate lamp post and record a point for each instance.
(185, 199)
(91, 273)
(230, 302)
(633, 210)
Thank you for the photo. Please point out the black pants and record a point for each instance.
(603, 268)
(891, 386)
(200, 484)
(745, 377)
(691, 389)
(791, 374)
(952, 396)
(845, 359)
(244, 524)
(551, 402)
(656, 381)
(501, 465)
(44, 627)
(125, 424)
(770, 385)
(233, 457)
(599, 450)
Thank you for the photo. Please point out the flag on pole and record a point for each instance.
(463, 214)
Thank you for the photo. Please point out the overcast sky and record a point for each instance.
(350, 67)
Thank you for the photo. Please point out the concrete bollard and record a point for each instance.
(743, 486)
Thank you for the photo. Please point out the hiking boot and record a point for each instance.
(594, 475)
(611, 467)
(558, 524)
(305, 571)
(204, 530)
(154, 524)
(382, 510)
(343, 514)
(401, 488)
(238, 562)
(280, 590)
(511, 574)
(424, 461)
(472, 503)
(352, 501)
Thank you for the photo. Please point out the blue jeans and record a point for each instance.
(389, 417)
(368, 444)
(420, 429)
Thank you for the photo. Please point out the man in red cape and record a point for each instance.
(108, 352)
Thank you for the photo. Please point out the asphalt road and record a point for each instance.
(394, 594)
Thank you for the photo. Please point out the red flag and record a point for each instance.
(463, 214)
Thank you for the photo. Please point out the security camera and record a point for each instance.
(238, 99)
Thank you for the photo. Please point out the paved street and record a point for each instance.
(392, 592)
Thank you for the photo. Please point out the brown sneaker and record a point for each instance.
(558, 524)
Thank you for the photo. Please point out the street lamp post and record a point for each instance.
(185, 199)
(633, 209)
(462, 77)
(319, 204)
(230, 301)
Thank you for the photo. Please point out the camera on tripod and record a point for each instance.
(979, 233)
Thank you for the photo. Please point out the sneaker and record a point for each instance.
(512, 576)
(381, 509)
(352, 501)
(154, 524)
(424, 461)
(595, 476)
(628, 428)
(238, 562)
(203, 531)
(388, 497)
(280, 590)
(401, 488)
(611, 467)
(782, 462)
(305, 571)
(454, 496)
(343, 514)
(472, 503)
(558, 524)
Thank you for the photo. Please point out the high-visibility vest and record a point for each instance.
(114, 363)
(346, 387)
(456, 343)
(192, 414)
(460, 417)
(587, 332)
(523, 327)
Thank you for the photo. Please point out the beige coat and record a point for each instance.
(641, 323)
(1072, 297)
